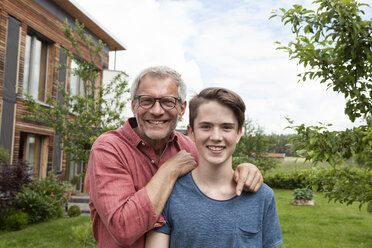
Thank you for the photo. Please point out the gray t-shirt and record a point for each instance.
(195, 220)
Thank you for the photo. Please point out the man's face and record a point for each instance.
(156, 124)
(215, 133)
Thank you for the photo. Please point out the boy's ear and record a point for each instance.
(190, 132)
(240, 132)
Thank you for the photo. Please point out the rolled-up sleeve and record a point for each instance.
(126, 213)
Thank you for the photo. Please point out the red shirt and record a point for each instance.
(119, 167)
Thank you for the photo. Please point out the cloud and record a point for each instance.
(154, 33)
(221, 43)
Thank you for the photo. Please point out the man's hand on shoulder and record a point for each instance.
(182, 162)
(161, 184)
(248, 176)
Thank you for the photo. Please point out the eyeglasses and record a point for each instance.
(166, 102)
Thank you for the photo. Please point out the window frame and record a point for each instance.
(35, 152)
(36, 65)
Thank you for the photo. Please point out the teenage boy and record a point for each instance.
(203, 209)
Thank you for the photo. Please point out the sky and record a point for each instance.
(222, 43)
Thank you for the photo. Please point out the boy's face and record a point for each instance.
(215, 133)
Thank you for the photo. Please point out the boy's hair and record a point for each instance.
(223, 96)
(160, 72)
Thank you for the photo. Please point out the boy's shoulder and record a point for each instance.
(264, 192)
(185, 180)
(266, 188)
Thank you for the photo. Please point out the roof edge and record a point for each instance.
(77, 12)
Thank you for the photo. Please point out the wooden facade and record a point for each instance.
(26, 26)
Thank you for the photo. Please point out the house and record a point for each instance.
(270, 155)
(31, 44)
(276, 155)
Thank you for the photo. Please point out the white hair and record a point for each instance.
(162, 72)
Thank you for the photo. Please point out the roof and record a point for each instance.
(78, 13)
(276, 155)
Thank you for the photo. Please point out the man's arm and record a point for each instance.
(248, 176)
(156, 239)
(161, 184)
(126, 212)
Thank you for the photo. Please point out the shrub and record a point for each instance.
(75, 180)
(303, 194)
(83, 234)
(12, 178)
(74, 211)
(43, 200)
(52, 187)
(288, 181)
(12, 220)
(345, 185)
(39, 207)
(4, 155)
(264, 164)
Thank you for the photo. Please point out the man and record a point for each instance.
(203, 210)
(132, 170)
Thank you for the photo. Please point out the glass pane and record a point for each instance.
(43, 71)
(75, 169)
(35, 67)
(74, 80)
(81, 86)
(30, 150)
(34, 153)
(26, 72)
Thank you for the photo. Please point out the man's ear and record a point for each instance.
(182, 110)
(132, 105)
(190, 132)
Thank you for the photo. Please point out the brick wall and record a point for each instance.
(34, 16)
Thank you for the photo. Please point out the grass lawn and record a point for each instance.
(291, 164)
(51, 234)
(325, 225)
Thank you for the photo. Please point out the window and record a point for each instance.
(36, 68)
(76, 169)
(76, 83)
(34, 149)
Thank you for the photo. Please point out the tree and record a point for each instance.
(334, 44)
(279, 144)
(252, 147)
(80, 119)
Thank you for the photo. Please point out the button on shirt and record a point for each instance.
(120, 165)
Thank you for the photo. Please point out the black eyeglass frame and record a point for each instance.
(159, 99)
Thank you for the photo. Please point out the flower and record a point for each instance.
(52, 195)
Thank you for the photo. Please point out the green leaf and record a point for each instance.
(369, 207)
(272, 16)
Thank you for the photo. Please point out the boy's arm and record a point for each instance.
(156, 239)
(271, 232)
